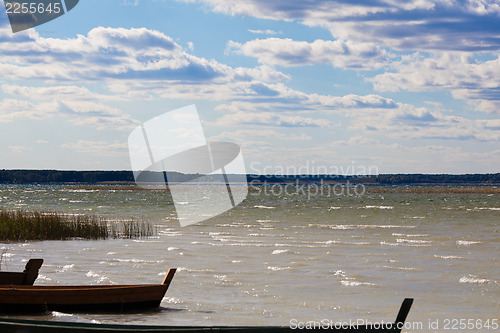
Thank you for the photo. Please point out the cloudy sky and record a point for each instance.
(403, 86)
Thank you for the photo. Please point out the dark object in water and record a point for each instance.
(92, 298)
(39, 326)
(27, 277)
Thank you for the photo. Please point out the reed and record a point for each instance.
(131, 229)
(35, 225)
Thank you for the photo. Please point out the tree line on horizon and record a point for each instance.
(124, 176)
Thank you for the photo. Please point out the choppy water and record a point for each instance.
(280, 257)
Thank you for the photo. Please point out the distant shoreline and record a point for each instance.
(124, 177)
(369, 189)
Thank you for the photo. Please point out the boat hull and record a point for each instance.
(36, 326)
(96, 298)
(33, 326)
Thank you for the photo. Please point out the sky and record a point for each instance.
(300, 86)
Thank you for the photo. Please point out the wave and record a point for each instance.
(476, 280)
(100, 278)
(78, 190)
(401, 268)
(404, 244)
(378, 207)
(346, 243)
(240, 244)
(281, 251)
(448, 257)
(61, 314)
(171, 300)
(486, 208)
(410, 235)
(412, 241)
(169, 233)
(277, 268)
(467, 243)
(358, 226)
(349, 281)
(67, 267)
(263, 207)
(42, 277)
(136, 261)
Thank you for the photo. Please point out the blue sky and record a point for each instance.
(403, 86)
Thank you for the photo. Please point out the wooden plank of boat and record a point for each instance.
(19, 298)
(37, 326)
(27, 277)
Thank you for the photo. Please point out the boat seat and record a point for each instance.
(27, 277)
(31, 271)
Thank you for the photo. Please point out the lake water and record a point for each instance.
(282, 256)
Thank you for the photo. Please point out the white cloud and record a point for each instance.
(260, 97)
(243, 136)
(19, 149)
(13, 109)
(477, 82)
(234, 86)
(102, 148)
(129, 3)
(361, 153)
(133, 62)
(105, 53)
(270, 119)
(58, 93)
(483, 7)
(96, 115)
(355, 101)
(265, 32)
(76, 104)
(355, 141)
(407, 25)
(437, 26)
(291, 53)
(409, 122)
(143, 64)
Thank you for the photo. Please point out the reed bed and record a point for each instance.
(132, 229)
(35, 225)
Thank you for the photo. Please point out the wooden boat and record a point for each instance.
(92, 298)
(27, 277)
(37, 326)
